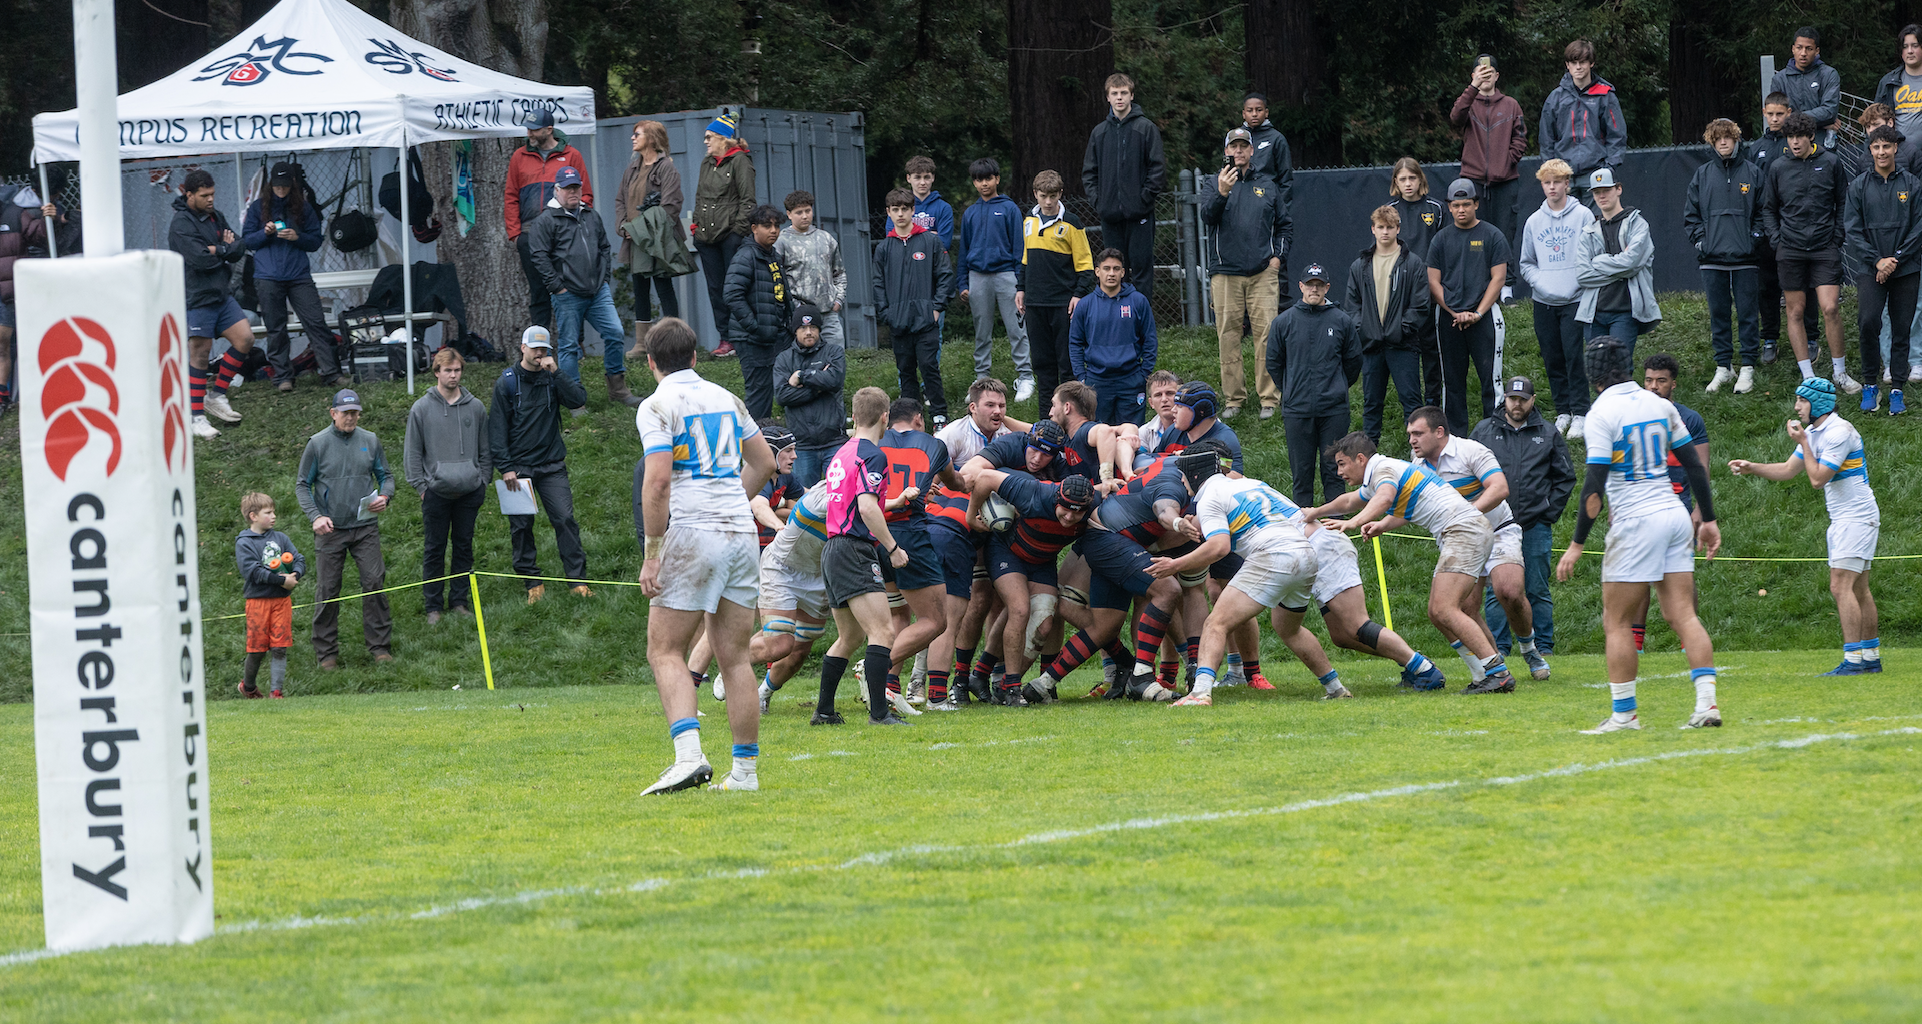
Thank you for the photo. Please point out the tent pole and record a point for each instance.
(406, 264)
(96, 90)
(53, 244)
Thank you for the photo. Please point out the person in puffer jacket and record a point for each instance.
(913, 283)
(1112, 345)
(1388, 300)
(1723, 219)
(1582, 120)
(808, 379)
(1549, 265)
(758, 305)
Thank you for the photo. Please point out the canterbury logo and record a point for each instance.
(173, 394)
(77, 393)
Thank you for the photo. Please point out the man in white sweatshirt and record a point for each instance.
(1549, 265)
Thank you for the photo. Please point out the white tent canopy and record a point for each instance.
(319, 74)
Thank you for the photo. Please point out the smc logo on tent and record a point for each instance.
(252, 65)
(395, 59)
(77, 393)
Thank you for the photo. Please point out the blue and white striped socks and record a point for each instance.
(1704, 679)
(1860, 651)
(1624, 695)
(1204, 680)
(1331, 682)
(686, 733)
(1476, 672)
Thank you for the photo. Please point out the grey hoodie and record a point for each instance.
(1549, 252)
(446, 447)
(1636, 263)
(336, 471)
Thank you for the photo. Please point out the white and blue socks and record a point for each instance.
(1624, 697)
(1526, 643)
(1476, 671)
(686, 733)
(1204, 681)
(745, 757)
(1417, 663)
(1871, 654)
(1494, 666)
(1331, 683)
(1704, 679)
(1839, 367)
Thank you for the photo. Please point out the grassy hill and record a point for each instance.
(566, 640)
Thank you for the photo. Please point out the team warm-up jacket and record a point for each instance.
(209, 276)
(1723, 211)
(1535, 461)
(1882, 217)
(1056, 264)
(1124, 169)
(1273, 160)
(570, 249)
(913, 280)
(1583, 126)
(1314, 355)
(1249, 226)
(530, 181)
(1802, 202)
(1408, 320)
(524, 424)
(990, 238)
(756, 296)
(1112, 336)
(814, 406)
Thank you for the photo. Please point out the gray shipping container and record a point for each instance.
(822, 153)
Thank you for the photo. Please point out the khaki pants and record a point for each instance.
(1256, 297)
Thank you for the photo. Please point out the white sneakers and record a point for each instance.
(205, 430)
(1577, 429)
(1846, 384)
(1561, 424)
(1722, 376)
(1745, 381)
(1610, 724)
(217, 406)
(1915, 373)
(739, 781)
(1023, 389)
(681, 775)
(1707, 719)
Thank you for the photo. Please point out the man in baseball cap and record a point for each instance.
(1540, 477)
(524, 432)
(570, 251)
(343, 485)
(1313, 352)
(531, 171)
(1465, 278)
(1249, 230)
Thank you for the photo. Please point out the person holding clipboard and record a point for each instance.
(343, 487)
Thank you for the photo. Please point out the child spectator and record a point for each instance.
(1582, 120)
(930, 210)
(1772, 144)
(1421, 216)
(811, 259)
(269, 568)
(1111, 342)
(991, 250)
(758, 304)
(1550, 267)
(1388, 300)
(1723, 218)
(913, 282)
(1057, 269)
(1616, 261)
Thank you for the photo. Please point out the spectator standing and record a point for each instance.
(1272, 159)
(723, 199)
(808, 380)
(1883, 231)
(1540, 479)
(758, 304)
(1802, 198)
(270, 569)
(1494, 135)
(1773, 144)
(343, 485)
(1467, 266)
(1388, 300)
(1615, 261)
(930, 210)
(811, 260)
(1057, 270)
(530, 185)
(570, 250)
(651, 180)
(912, 283)
(1550, 266)
(281, 230)
(1111, 342)
(1723, 218)
(524, 439)
(1314, 353)
(448, 462)
(1901, 89)
(1582, 120)
(208, 247)
(1421, 217)
(1122, 174)
(23, 235)
(1812, 87)
(991, 250)
(1874, 116)
(1249, 236)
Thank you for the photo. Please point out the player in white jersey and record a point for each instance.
(1473, 471)
(704, 457)
(1630, 433)
(1829, 450)
(986, 420)
(794, 597)
(1344, 610)
(1407, 492)
(1234, 514)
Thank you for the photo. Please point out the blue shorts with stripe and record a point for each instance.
(1117, 567)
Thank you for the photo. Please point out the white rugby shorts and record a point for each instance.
(1337, 566)
(702, 567)
(1852, 545)
(1507, 549)
(1278, 579)
(1643, 549)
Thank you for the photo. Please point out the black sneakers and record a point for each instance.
(827, 718)
(1500, 682)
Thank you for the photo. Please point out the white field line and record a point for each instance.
(881, 857)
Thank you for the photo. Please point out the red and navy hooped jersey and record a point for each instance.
(948, 507)
(1177, 440)
(1080, 458)
(1132, 512)
(915, 458)
(1149, 474)
(780, 491)
(1037, 536)
(1010, 452)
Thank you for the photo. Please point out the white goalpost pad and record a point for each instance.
(119, 700)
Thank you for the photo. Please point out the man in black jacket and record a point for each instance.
(1802, 200)
(757, 308)
(1315, 355)
(1272, 159)
(1122, 173)
(1388, 299)
(913, 282)
(1882, 220)
(808, 378)
(1249, 233)
(1723, 219)
(569, 248)
(524, 433)
(1540, 478)
(209, 248)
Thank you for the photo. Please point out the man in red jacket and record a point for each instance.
(530, 187)
(1493, 138)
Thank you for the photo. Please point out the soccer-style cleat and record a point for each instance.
(1609, 724)
(743, 783)
(720, 690)
(891, 719)
(767, 697)
(1710, 719)
(944, 705)
(981, 687)
(1745, 381)
(1122, 690)
(1194, 700)
(1010, 697)
(218, 407)
(827, 718)
(205, 430)
(1853, 668)
(247, 693)
(1430, 678)
(1230, 677)
(1869, 400)
(681, 775)
(1896, 406)
(1340, 692)
(901, 705)
(1151, 690)
(861, 682)
(1537, 665)
(1259, 682)
(1870, 668)
(1722, 376)
(1499, 682)
(1036, 693)
(1846, 384)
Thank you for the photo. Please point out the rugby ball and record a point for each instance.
(999, 513)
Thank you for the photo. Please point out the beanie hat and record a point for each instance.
(1820, 394)
(724, 125)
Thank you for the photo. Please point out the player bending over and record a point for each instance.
(1022, 561)
(794, 598)
(1345, 611)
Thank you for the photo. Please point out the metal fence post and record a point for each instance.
(1185, 237)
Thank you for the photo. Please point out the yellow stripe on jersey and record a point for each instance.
(1059, 238)
(1408, 491)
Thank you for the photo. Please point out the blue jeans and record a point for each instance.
(1536, 541)
(1740, 288)
(1623, 326)
(811, 464)
(569, 312)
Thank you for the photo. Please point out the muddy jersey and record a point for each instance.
(703, 425)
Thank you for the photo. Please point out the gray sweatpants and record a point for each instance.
(985, 292)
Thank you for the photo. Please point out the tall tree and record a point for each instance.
(1060, 53)
(509, 36)
(1290, 57)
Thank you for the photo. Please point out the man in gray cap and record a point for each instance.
(524, 436)
(1540, 479)
(343, 485)
(1467, 267)
(1248, 234)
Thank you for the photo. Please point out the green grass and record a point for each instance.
(457, 856)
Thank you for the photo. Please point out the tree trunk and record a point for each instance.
(1696, 93)
(1060, 53)
(1289, 58)
(508, 36)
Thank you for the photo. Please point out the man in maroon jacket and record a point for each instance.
(1494, 135)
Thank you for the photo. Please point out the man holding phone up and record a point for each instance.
(1249, 230)
(1494, 135)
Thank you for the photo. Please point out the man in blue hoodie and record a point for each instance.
(1813, 88)
(991, 248)
(1111, 342)
(1582, 120)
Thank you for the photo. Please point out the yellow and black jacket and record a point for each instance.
(1055, 262)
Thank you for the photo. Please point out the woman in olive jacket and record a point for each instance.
(651, 179)
(723, 197)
